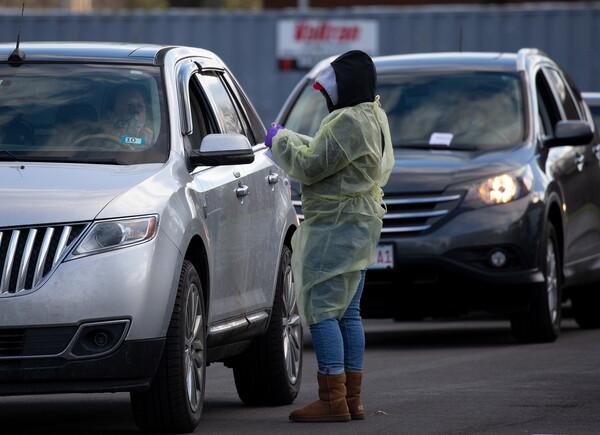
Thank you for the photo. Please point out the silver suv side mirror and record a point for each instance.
(223, 149)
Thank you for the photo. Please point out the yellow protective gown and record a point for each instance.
(341, 171)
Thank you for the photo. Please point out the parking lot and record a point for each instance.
(447, 377)
(145, 229)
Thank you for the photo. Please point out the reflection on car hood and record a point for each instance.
(434, 170)
(35, 193)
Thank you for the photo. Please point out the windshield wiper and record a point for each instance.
(8, 156)
(101, 160)
(437, 147)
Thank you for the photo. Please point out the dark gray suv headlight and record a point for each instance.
(498, 189)
(115, 234)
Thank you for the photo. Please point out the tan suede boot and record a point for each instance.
(331, 405)
(353, 381)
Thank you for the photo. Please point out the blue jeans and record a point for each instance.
(340, 344)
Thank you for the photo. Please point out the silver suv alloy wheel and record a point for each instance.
(194, 355)
(292, 329)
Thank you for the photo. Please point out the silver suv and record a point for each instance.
(144, 231)
(494, 200)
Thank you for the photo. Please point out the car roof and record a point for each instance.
(592, 98)
(446, 61)
(478, 61)
(95, 52)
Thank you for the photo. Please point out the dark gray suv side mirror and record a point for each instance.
(570, 133)
(223, 149)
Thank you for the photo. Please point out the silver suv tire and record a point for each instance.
(269, 371)
(174, 401)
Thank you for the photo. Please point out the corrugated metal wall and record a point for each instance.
(569, 33)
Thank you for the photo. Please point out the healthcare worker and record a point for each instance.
(341, 171)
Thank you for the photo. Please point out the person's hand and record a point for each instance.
(271, 133)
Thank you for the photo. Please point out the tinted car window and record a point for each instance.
(62, 112)
(224, 106)
(595, 109)
(254, 125)
(544, 116)
(202, 123)
(562, 92)
(307, 112)
(467, 110)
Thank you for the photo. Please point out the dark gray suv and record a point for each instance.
(493, 204)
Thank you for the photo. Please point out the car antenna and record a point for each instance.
(17, 57)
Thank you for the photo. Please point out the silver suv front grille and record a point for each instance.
(410, 213)
(23, 342)
(28, 255)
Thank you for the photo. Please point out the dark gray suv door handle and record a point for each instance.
(241, 191)
(579, 160)
(273, 178)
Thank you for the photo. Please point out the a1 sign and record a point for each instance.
(384, 257)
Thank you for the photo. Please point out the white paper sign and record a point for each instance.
(440, 139)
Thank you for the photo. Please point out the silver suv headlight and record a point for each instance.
(115, 234)
(498, 189)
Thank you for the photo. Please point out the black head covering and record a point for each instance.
(355, 77)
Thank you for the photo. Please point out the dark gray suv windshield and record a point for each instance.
(87, 113)
(462, 110)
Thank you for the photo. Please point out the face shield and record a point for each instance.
(327, 85)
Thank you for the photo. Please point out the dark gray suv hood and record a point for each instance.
(433, 170)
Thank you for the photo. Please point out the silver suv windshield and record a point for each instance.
(453, 110)
(82, 113)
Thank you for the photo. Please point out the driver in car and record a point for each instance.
(127, 115)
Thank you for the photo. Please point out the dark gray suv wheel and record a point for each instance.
(585, 301)
(541, 323)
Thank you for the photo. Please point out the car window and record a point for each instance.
(223, 106)
(563, 93)
(544, 115)
(595, 110)
(78, 112)
(252, 122)
(547, 105)
(307, 112)
(203, 122)
(470, 110)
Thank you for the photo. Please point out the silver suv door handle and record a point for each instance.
(273, 178)
(241, 191)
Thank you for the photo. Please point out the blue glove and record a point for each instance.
(271, 133)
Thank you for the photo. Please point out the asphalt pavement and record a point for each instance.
(453, 377)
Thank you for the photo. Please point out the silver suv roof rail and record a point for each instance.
(524, 53)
